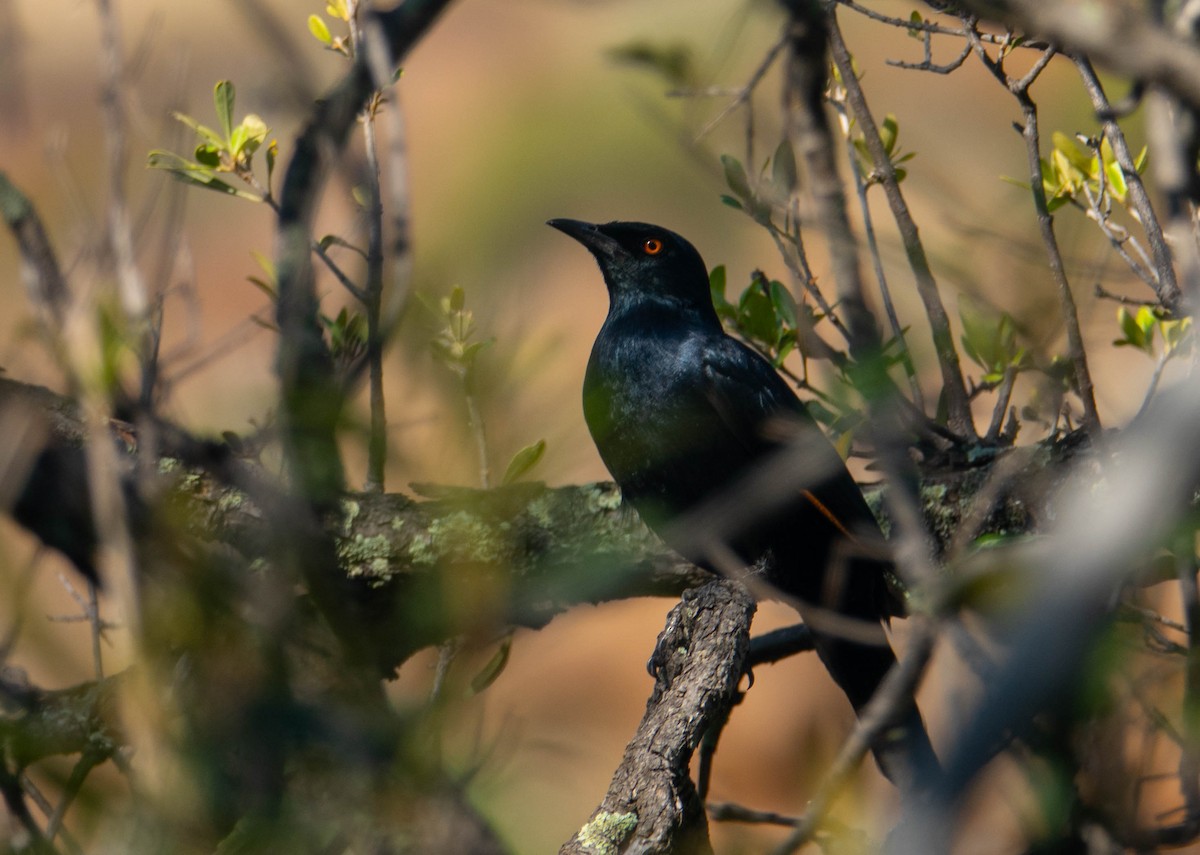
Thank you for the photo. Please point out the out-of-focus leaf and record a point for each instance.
(494, 668)
(735, 177)
(320, 30)
(203, 130)
(783, 168)
(523, 461)
(223, 98)
(194, 173)
(673, 62)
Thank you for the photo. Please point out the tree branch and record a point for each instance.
(651, 805)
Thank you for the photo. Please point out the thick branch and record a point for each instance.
(652, 805)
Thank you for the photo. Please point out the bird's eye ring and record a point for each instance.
(653, 246)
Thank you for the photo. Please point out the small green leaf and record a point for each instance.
(716, 283)
(1134, 334)
(320, 30)
(247, 137)
(1140, 162)
(735, 177)
(1075, 154)
(731, 202)
(494, 668)
(1146, 319)
(756, 314)
(1175, 334)
(337, 9)
(458, 299)
(223, 98)
(208, 155)
(193, 173)
(783, 302)
(889, 132)
(673, 62)
(783, 168)
(272, 154)
(523, 461)
(915, 18)
(264, 286)
(208, 133)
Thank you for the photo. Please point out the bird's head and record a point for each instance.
(640, 260)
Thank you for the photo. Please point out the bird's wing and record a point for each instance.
(751, 399)
(761, 411)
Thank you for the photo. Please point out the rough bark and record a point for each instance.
(652, 805)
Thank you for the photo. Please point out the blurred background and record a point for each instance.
(516, 111)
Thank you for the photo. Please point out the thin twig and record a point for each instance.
(1031, 135)
(958, 407)
(1165, 284)
(743, 94)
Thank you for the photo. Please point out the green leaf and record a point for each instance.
(223, 97)
(783, 169)
(319, 29)
(716, 283)
(1175, 333)
(494, 668)
(193, 173)
(1115, 176)
(821, 413)
(247, 137)
(915, 18)
(208, 155)
(1140, 162)
(203, 130)
(523, 461)
(272, 154)
(716, 287)
(673, 62)
(265, 263)
(735, 177)
(1076, 155)
(756, 314)
(337, 9)
(264, 286)
(889, 132)
(1146, 319)
(1134, 333)
(989, 338)
(783, 302)
(731, 202)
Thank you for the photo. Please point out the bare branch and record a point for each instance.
(1117, 35)
(958, 405)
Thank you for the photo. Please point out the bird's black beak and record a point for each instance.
(588, 234)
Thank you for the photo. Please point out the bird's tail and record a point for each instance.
(903, 750)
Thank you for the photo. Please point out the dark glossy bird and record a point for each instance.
(722, 460)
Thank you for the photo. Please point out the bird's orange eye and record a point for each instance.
(653, 246)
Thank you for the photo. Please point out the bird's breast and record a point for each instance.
(644, 406)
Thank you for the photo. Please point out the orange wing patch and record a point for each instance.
(828, 514)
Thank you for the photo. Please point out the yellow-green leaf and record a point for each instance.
(320, 30)
(523, 461)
